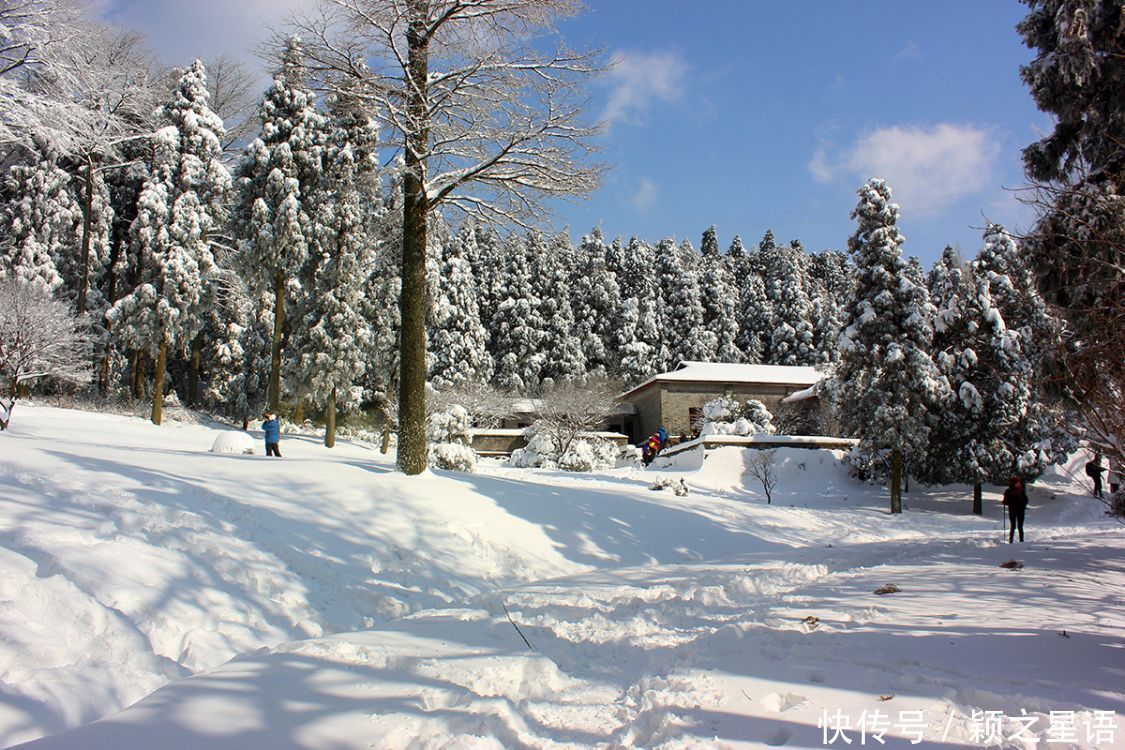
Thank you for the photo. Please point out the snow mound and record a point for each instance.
(232, 441)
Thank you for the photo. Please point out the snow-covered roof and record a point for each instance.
(802, 395)
(724, 372)
(535, 406)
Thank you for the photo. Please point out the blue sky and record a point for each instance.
(750, 114)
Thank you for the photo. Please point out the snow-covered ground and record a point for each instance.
(325, 601)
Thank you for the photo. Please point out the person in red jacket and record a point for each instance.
(1016, 499)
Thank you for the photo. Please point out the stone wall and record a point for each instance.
(670, 403)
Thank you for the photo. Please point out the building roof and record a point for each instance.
(723, 373)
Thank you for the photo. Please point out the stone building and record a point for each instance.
(675, 399)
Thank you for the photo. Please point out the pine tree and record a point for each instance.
(791, 336)
(564, 359)
(179, 210)
(517, 329)
(639, 334)
(681, 313)
(719, 297)
(278, 177)
(458, 341)
(42, 220)
(1077, 247)
(755, 315)
(334, 332)
(976, 436)
(886, 380)
(597, 299)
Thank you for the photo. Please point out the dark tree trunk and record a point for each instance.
(415, 211)
(87, 231)
(896, 481)
(330, 421)
(299, 411)
(193, 370)
(138, 375)
(978, 502)
(158, 386)
(274, 394)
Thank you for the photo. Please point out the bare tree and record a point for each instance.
(234, 97)
(569, 410)
(39, 337)
(760, 465)
(487, 405)
(485, 122)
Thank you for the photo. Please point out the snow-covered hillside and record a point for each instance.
(325, 601)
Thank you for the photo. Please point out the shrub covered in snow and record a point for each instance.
(233, 441)
(726, 416)
(589, 455)
(678, 486)
(453, 456)
(450, 435)
(583, 453)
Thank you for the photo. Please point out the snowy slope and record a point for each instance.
(364, 609)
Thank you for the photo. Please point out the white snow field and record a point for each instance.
(154, 594)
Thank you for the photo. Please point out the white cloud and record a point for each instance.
(640, 78)
(645, 195)
(929, 169)
(182, 31)
(909, 51)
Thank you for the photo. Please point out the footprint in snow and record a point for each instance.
(782, 701)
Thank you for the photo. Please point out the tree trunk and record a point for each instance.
(415, 211)
(87, 231)
(330, 422)
(138, 375)
(978, 503)
(385, 446)
(896, 481)
(299, 411)
(193, 370)
(274, 394)
(7, 409)
(158, 385)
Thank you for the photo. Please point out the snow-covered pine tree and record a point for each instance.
(975, 437)
(736, 259)
(333, 331)
(43, 222)
(553, 267)
(1043, 435)
(681, 312)
(755, 315)
(1014, 291)
(719, 297)
(831, 280)
(639, 334)
(597, 299)
(791, 336)
(886, 381)
(277, 180)
(488, 265)
(517, 328)
(179, 210)
(458, 338)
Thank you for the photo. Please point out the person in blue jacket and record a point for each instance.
(272, 428)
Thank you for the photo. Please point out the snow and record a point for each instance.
(232, 441)
(195, 600)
